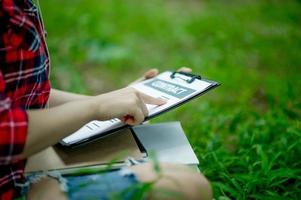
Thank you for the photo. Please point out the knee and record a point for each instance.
(178, 180)
(203, 189)
(192, 184)
(46, 189)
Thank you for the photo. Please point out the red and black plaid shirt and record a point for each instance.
(24, 84)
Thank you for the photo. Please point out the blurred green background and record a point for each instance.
(247, 132)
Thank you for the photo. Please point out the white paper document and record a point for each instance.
(174, 90)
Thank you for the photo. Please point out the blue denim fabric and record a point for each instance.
(101, 186)
(35, 177)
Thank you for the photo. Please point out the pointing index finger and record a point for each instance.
(151, 100)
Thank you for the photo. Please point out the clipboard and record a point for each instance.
(176, 87)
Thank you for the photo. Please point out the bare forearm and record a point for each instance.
(59, 97)
(48, 126)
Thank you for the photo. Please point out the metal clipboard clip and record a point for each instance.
(191, 77)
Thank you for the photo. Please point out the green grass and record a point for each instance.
(246, 133)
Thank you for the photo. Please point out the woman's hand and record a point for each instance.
(154, 72)
(127, 104)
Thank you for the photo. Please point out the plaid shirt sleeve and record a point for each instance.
(13, 126)
(24, 84)
(20, 33)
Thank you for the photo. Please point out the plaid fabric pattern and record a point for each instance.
(24, 84)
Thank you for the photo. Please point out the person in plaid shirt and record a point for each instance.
(27, 124)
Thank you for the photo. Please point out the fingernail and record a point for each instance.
(164, 101)
(151, 73)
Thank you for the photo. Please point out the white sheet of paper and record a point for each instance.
(174, 91)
